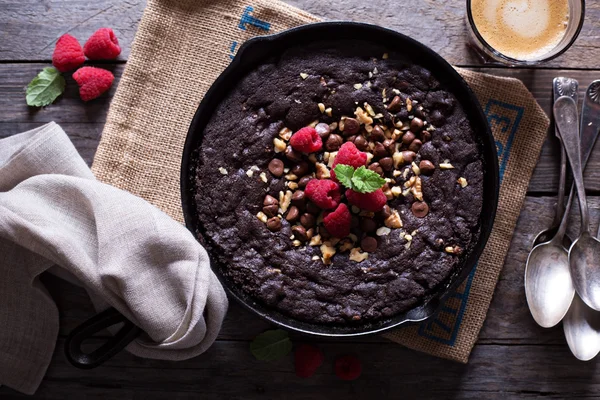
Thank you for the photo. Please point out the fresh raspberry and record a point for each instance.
(348, 368)
(373, 201)
(68, 54)
(102, 45)
(324, 193)
(348, 155)
(338, 222)
(307, 359)
(92, 82)
(306, 140)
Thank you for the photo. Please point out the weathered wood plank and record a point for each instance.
(228, 370)
(84, 121)
(31, 27)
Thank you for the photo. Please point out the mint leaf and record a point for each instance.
(366, 181)
(344, 173)
(271, 345)
(45, 88)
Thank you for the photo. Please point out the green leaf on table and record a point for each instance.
(366, 181)
(344, 173)
(45, 88)
(271, 345)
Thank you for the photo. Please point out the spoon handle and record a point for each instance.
(567, 121)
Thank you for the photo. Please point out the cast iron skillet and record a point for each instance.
(250, 55)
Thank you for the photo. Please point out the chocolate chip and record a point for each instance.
(361, 143)
(351, 126)
(385, 211)
(379, 150)
(298, 199)
(300, 169)
(395, 105)
(425, 136)
(420, 209)
(368, 225)
(408, 138)
(426, 167)
(420, 112)
(270, 200)
(324, 233)
(375, 167)
(368, 244)
(377, 134)
(416, 125)
(310, 233)
(386, 163)
(271, 210)
(334, 142)
(323, 130)
(293, 214)
(299, 233)
(308, 220)
(292, 154)
(389, 145)
(274, 224)
(408, 156)
(415, 145)
(276, 167)
(312, 208)
(304, 181)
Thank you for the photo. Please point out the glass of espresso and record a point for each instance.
(523, 32)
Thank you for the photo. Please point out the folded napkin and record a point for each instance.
(124, 251)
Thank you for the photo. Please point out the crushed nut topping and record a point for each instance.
(328, 251)
(315, 240)
(369, 109)
(357, 86)
(397, 173)
(446, 165)
(453, 249)
(315, 258)
(385, 56)
(393, 221)
(303, 75)
(279, 145)
(322, 171)
(297, 243)
(409, 104)
(331, 159)
(222, 170)
(284, 200)
(415, 168)
(362, 117)
(291, 177)
(357, 255)
(328, 111)
(292, 185)
(462, 182)
(285, 134)
(346, 245)
(262, 217)
(321, 107)
(383, 231)
(250, 173)
(396, 191)
(417, 189)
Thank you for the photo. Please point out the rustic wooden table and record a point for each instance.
(514, 358)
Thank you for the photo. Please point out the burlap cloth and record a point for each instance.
(183, 45)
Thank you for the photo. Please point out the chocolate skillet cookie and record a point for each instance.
(339, 183)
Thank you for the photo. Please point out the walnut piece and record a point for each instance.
(357, 255)
(328, 251)
(362, 117)
(279, 145)
(462, 182)
(285, 134)
(322, 171)
(393, 221)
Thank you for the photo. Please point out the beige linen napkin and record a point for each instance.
(183, 45)
(124, 251)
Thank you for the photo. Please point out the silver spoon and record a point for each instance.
(584, 255)
(582, 330)
(548, 286)
(582, 324)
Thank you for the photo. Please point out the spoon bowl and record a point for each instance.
(584, 262)
(582, 330)
(548, 285)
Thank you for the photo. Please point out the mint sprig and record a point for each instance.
(361, 180)
(45, 88)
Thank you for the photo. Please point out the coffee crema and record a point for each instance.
(521, 29)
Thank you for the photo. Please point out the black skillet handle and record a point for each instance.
(112, 346)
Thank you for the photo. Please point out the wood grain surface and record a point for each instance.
(514, 358)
